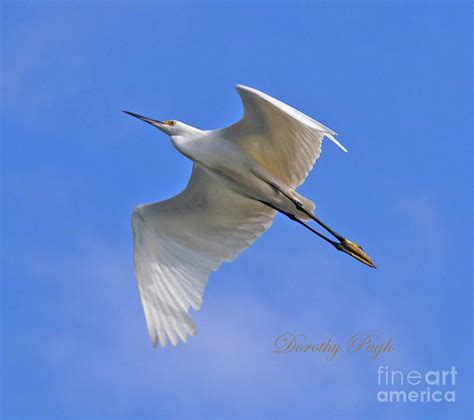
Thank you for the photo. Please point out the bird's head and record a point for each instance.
(170, 127)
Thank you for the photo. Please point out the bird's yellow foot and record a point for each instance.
(355, 251)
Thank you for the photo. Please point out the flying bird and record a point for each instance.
(242, 176)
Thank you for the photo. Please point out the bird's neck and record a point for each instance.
(191, 134)
(187, 142)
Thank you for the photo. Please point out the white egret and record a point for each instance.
(242, 175)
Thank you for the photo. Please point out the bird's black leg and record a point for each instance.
(345, 245)
(294, 218)
(319, 222)
(299, 206)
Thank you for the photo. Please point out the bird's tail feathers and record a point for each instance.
(308, 205)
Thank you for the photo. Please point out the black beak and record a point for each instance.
(151, 121)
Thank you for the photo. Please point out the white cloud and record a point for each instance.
(101, 341)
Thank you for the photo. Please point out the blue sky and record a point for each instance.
(392, 78)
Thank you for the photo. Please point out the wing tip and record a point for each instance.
(174, 342)
(336, 142)
(171, 336)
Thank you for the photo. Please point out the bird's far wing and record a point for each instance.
(179, 241)
(282, 139)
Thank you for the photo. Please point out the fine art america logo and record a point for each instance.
(370, 344)
(396, 386)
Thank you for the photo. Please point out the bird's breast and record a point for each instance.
(226, 163)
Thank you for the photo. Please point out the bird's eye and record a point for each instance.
(171, 122)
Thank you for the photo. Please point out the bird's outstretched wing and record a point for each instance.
(282, 139)
(179, 241)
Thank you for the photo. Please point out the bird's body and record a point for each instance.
(242, 175)
(229, 165)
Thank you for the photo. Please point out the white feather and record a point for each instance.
(180, 241)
